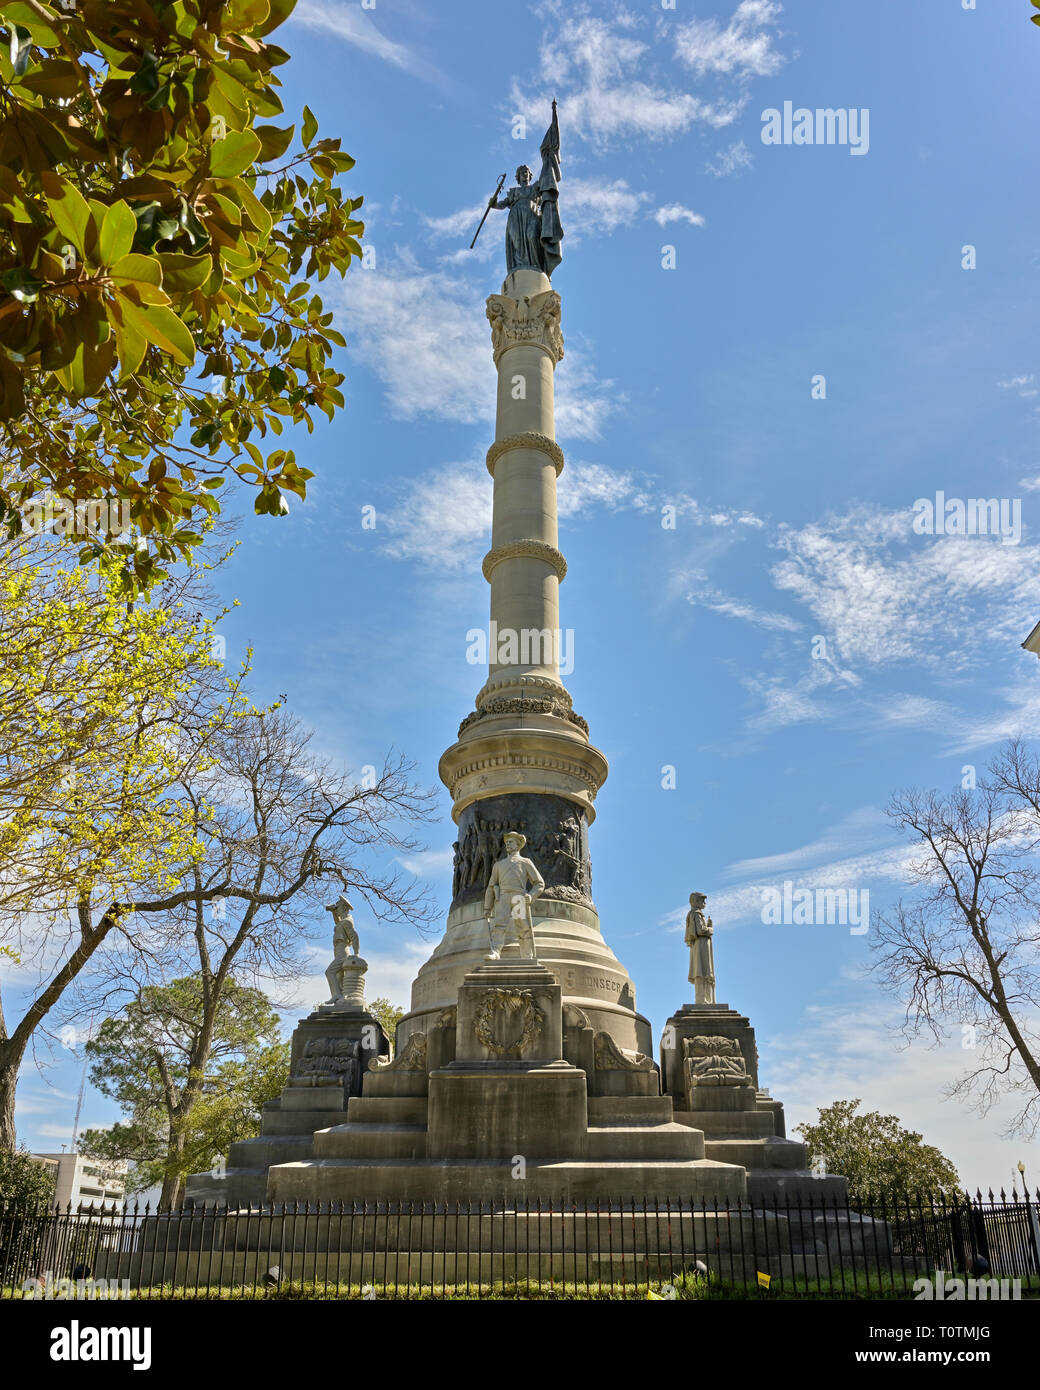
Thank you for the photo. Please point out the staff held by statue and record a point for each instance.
(491, 204)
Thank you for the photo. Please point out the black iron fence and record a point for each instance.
(885, 1246)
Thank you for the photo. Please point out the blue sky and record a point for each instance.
(689, 387)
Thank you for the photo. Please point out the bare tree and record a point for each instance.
(277, 829)
(965, 950)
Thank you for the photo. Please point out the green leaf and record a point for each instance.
(21, 46)
(54, 78)
(254, 209)
(310, 126)
(86, 373)
(197, 234)
(160, 326)
(131, 343)
(146, 79)
(181, 274)
(117, 233)
(234, 154)
(280, 12)
(68, 208)
(142, 270)
(18, 12)
(274, 141)
(248, 14)
(20, 285)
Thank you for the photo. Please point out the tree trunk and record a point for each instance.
(172, 1195)
(10, 1060)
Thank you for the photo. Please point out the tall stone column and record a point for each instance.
(523, 760)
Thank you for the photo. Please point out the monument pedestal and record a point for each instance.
(331, 1050)
(509, 1092)
(741, 1123)
(489, 1106)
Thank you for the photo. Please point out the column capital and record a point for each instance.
(530, 321)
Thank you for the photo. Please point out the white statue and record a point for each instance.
(344, 936)
(699, 930)
(513, 886)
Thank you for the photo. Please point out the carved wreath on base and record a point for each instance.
(509, 1002)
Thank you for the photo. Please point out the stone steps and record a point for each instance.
(268, 1149)
(580, 1180)
(287, 1122)
(757, 1153)
(234, 1187)
(729, 1124)
(667, 1141)
(624, 1110)
(401, 1110)
(364, 1141)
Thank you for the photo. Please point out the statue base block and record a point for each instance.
(740, 1122)
(330, 1052)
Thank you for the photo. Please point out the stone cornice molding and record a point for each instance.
(534, 550)
(482, 761)
(552, 687)
(529, 439)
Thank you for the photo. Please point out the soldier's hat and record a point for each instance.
(515, 835)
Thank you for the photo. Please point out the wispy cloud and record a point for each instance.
(858, 852)
(425, 336)
(729, 161)
(444, 518)
(611, 90)
(1024, 386)
(702, 594)
(744, 47)
(351, 24)
(676, 212)
(882, 594)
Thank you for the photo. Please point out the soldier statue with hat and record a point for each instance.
(513, 886)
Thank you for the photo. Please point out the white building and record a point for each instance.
(85, 1182)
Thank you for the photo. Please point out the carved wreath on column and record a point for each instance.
(499, 1004)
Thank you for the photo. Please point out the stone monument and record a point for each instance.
(523, 1041)
(709, 1068)
(523, 1067)
(330, 1052)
